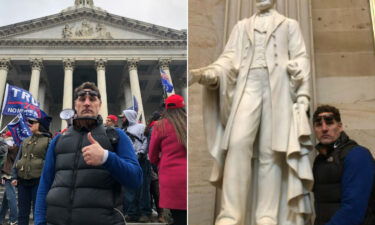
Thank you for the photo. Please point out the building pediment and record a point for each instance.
(88, 24)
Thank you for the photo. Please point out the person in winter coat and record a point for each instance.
(29, 165)
(344, 174)
(85, 168)
(137, 204)
(9, 197)
(168, 151)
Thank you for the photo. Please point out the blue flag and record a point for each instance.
(135, 104)
(19, 130)
(18, 100)
(168, 87)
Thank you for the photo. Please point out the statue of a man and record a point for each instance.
(255, 98)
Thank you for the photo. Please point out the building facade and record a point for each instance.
(52, 55)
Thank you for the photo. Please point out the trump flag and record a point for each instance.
(18, 100)
(19, 129)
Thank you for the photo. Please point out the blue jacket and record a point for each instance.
(356, 186)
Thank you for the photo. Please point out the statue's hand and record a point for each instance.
(195, 75)
(304, 102)
(293, 69)
(205, 76)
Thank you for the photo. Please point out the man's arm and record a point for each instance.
(123, 163)
(48, 175)
(14, 168)
(154, 148)
(357, 182)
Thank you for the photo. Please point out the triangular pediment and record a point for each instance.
(88, 24)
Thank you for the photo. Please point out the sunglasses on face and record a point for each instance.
(81, 95)
(32, 122)
(328, 119)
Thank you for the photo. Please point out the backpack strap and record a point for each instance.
(133, 137)
(112, 136)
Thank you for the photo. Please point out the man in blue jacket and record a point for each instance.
(85, 168)
(344, 174)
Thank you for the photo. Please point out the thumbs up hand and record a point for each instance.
(93, 154)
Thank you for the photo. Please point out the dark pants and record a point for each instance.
(179, 217)
(26, 197)
(137, 202)
(154, 191)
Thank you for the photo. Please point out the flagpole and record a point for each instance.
(3, 103)
(2, 130)
(1, 120)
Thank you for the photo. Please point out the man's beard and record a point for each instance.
(85, 123)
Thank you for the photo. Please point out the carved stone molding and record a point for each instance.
(36, 64)
(100, 64)
(96, 43)
(96, 15)
(67, 32)
(5, 64)
(164, 63)
(132, 64)
(89, 3)
(68, 64)
(86, 30)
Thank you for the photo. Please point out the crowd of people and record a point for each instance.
(109, 170)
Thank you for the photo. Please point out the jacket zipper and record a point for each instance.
(75, 168)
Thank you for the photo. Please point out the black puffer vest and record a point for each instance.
(327, 171)
(82, 194)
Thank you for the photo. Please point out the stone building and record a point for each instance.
(52, 55)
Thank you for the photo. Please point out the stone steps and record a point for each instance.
(31, 221)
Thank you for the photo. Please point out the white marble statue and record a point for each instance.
(255, 100)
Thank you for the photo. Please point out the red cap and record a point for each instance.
(8, 134)
(174, 102)
(113, 117)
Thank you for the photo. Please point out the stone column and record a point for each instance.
(100, 70)
(5, 66)
(164, 65)
(128, 93)
(68, 87)
(183, 86)
(134, 84)
(42, 95)
(36, 67)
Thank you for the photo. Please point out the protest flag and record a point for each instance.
(18, 100)
(168, 87)
(19, 129)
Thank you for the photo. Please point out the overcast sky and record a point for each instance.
(168, 13)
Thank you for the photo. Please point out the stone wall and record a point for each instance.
(345, 64)
(206, 27)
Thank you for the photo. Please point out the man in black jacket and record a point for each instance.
(85, 169)
(344, 174)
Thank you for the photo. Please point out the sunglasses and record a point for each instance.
(32, 121)
(328, 119)
(81, 95)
